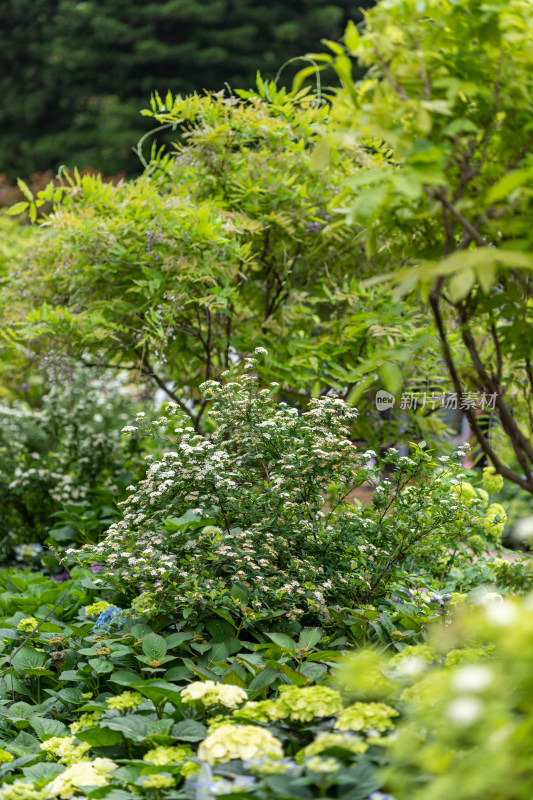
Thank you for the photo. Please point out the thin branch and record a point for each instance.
(501, 468)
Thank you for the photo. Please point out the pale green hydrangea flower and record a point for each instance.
(63, 749)
(493, 483)
(494, 530)
(27, 625)
(85, 721)
(158, 782)
(326, 740)
(258, 710)
(210, 693)
(125, 701)
(189, 768)
(97, 608)
(20, 790)
(5, 757)
(86, 773)
(484, 496)
(466, 491)
(271, 766)
(323, 766)
(366, 716)
(239, 742)
(305, 703)
(421, 651)
(168, 755)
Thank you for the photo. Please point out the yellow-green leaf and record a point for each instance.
(24, 188)
(461, 284)
(17, 208)
(351, 36)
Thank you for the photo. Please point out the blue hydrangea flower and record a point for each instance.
(24, 551)
(111, 617)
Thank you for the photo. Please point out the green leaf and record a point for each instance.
(391, 375)
(189, 731)
(511, 181)
(16, 208)
(313, 671)
(309, 637)
(125, 677)
(461, 284)
(133, 726)
(45, 728)
(99, 737)
(101, 665)
(177, 639)
(283, 641)
(44, 771)
(158, 690)
(154, 647)
(24, 188)
(28, 658)
(178, 674)
(351, 36)
(264, 678)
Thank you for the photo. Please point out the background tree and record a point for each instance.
(447, 98)
(74, 74)
(219, 247)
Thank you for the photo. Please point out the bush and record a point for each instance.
(63, 466)
(236, 523)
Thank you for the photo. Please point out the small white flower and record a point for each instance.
(464, 710)
(472, 678)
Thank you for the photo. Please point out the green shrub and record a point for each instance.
(63, 465)
(235, 523)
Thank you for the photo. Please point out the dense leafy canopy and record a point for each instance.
(220, 247)
(447, 96)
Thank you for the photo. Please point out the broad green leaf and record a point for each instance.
(99, 737)
(351, 36)
(16, 208)
(283, 641)
(508, 183)
(45, 728)
(154, 647)
(309, 637)
(42, 771)
(266, 677)
(132, 726)
(159, 690)
(461, 284)
(125, 677)
(189, 731)
(392, 377)
(24, 188)
(28, 658)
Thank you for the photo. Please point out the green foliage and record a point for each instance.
(446, 198)
(59, 56)
(63, 464)
(218, 248)
(255, 492)
(463, 703)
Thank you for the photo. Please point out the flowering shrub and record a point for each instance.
(469, 722)
(252, 494)
(66, 458)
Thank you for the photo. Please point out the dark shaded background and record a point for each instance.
(74, 75)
